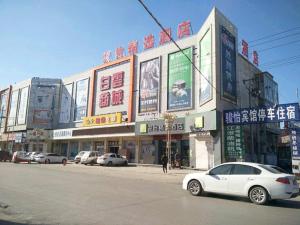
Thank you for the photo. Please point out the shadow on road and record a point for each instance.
(5, 222)
(291, 204)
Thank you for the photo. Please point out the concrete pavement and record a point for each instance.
(78, 194)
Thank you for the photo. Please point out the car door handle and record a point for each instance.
(223, 178)
(250, 178)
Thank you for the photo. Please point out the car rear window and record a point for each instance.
(270, 169)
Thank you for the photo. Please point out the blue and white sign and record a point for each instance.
(295, 143)
(283, 112)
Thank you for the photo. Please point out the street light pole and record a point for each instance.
(169, 120)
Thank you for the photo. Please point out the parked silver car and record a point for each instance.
(89, 157)
(112, 159)
(50, 158)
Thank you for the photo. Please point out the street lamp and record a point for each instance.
(169, 120)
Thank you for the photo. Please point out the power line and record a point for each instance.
(284, 64)
(286, 36)
(280, 60)
(277, 46)
(174, 42)
(276, 34)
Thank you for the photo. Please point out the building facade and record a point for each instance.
(119, 106)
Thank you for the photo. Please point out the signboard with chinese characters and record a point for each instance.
(65, 103)
(149, 86)
(13, 108)
(102, 120)
(205, 68)
(81, 99)
(62, 134)
(295, 143)
(228, 64)
(234, 142)
(184, 29)
(37, 135)
(283, 112)
(180, 80)
(157, 127)
(23, 106)
(112, 88)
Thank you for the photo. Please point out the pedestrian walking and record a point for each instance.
(164, 161)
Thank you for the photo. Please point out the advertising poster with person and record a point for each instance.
(180, 80)
(149, 86)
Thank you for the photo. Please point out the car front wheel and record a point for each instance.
(194, 187)
(258, 195)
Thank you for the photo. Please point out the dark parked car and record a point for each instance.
(5, 156)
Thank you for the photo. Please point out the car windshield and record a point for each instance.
(81, 153)
(272, 169)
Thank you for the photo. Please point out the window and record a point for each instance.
(270, 169)
(112, 155)
(244, 170)
(221, 170)
(118, 156)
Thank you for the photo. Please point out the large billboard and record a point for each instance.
(149, 86)
(205, 92)
(65, 103)
(113, 89)
(43, 104)
(228, 64)
(81, 99)
(180, 80)
(13, 108)
(22, 112)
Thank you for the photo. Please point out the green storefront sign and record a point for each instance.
(180, 80)
(234, 142)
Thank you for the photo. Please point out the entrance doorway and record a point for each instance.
(113, 146)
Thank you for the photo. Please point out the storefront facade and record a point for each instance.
(119, 106)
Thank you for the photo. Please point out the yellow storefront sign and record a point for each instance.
(199, 122)
(102, 120)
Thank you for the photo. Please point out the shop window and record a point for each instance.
(99, 147)
(129, 150)
(74, 146)
(86, 146)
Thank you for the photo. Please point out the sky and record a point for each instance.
(59, 38)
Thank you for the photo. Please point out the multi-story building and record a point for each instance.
(120, 105)
(28, 112)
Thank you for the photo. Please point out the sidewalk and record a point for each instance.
(143, 172)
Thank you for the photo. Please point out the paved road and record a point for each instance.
(76, 194)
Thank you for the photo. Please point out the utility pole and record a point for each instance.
(252, 92)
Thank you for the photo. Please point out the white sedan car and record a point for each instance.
(111, 159)
(258, 182)
(50, 158)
